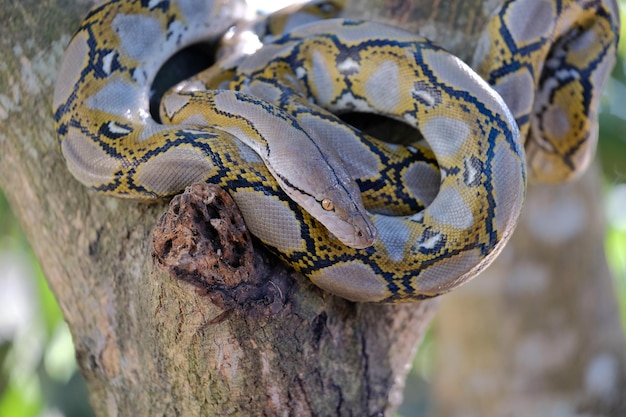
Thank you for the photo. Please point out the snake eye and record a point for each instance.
(328, 205)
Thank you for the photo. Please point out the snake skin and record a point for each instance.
(363, 219)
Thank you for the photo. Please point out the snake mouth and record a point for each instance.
(355, 230)
(365, 233)
(358, 234)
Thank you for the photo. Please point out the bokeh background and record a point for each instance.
(38, 372)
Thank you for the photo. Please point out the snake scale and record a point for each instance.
(363, 219)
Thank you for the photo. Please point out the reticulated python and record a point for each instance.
(302, 178)
(549, 61)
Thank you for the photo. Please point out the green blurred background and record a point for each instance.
(38, 373)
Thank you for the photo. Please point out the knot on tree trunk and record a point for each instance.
(202, 239)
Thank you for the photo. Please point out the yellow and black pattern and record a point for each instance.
(365, 220)
(343, 66)
(549, 61)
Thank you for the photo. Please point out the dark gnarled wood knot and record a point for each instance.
(202, 239)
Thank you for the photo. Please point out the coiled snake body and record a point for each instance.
(302, 178)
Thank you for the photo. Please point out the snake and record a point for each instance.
(363, 219)
(549, 60)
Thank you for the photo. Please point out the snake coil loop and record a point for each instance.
(364, 219)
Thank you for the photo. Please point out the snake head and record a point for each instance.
(335, 201)
(351, 225)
